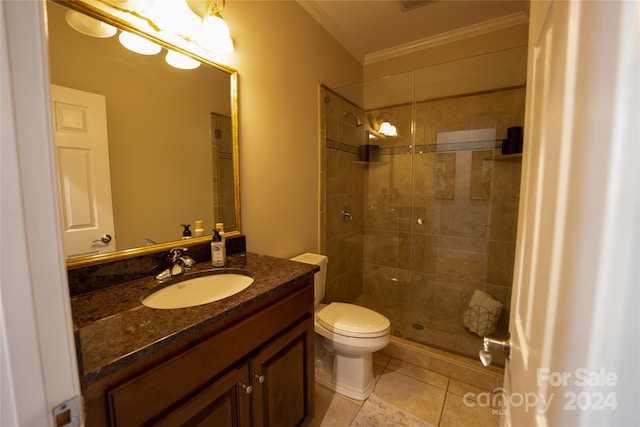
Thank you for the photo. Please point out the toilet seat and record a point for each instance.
(353, 321)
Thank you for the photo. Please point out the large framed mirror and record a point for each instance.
(169, 153)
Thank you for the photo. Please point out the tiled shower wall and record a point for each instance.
(343, 188)
(429, 227)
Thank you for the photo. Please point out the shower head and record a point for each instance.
(358, 122)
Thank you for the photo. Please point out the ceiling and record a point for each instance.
(374, 30)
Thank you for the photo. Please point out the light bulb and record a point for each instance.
(181, 61)
(88, 25)
(214, 35)
(387, 129)
(138, 44)
(174, 16)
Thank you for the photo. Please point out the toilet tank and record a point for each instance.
(320, 278)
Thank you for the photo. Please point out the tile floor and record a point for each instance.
(423, 393)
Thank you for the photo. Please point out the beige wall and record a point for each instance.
(282, 56)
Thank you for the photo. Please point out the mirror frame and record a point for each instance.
(117, 18)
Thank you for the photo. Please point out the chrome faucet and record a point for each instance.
(179, 263)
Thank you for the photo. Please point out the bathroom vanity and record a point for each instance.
(244, 360)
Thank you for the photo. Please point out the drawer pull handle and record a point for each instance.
(247, 388)
(260, 378)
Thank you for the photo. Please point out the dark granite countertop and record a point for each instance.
(114, 329)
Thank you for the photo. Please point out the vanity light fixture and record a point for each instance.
(178, 60)
(381, 125)
(89, 26)
(138, 6)
(175, 17)
(194, 21)
(214, 35)
(138, 44)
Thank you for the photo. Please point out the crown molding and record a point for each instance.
(312, 8)
(448, 37)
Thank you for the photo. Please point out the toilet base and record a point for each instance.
(351, 376)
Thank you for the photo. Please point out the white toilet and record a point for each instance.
(346, 337)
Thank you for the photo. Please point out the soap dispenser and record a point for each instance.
(220, 228)
(217, 250)
(186, 233)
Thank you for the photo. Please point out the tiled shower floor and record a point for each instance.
(424, 327)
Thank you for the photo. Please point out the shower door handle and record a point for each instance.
(488, 343)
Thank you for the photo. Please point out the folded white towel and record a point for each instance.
(483, 313)
(485, 300)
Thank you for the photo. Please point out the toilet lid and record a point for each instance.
(353, 320)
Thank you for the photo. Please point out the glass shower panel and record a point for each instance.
(438, 217)
(465, 206)
(388, 197)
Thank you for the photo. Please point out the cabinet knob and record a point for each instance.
(247, 388)
(260, 378)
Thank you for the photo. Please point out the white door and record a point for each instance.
(82, 152)
(38, 367)
(574, 313)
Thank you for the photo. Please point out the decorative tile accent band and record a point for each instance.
(420, 149)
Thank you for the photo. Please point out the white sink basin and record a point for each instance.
(198, 291)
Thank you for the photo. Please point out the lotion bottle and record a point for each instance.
(199, 231)
(217, 250)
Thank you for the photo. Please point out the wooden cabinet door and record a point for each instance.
(224, 403)
(285, 396)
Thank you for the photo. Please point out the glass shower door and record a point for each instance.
(439, 200)
(464, 215)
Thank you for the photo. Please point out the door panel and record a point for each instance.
(225, 403)
(543, 199)
(80, 132)
(285, 396)
(576, 150)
